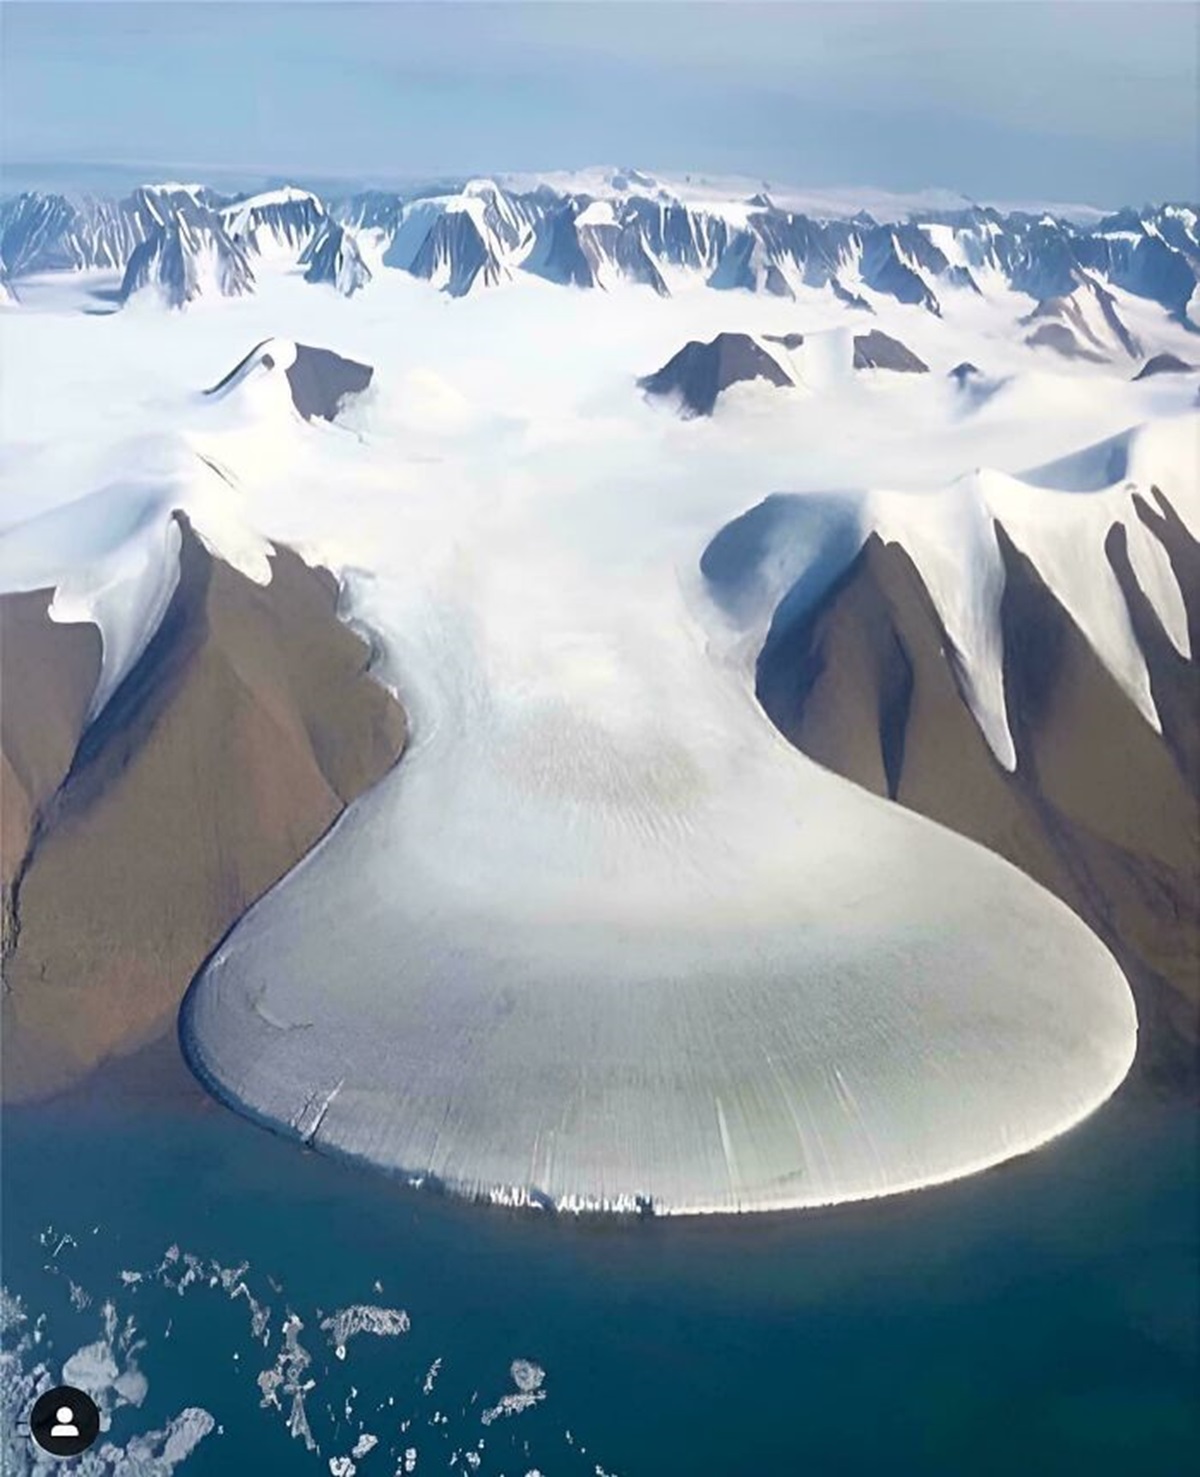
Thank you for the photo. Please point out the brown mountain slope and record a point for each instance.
(238, 738)
(1101, 809)
(49, 673)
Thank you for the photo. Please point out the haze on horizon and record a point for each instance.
(1079, 100)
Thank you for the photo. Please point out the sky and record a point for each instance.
(1080, 100)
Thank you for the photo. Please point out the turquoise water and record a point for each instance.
(1040, 1318)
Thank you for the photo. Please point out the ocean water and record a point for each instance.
(1040, 1318)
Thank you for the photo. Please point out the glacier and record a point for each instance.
(604, 939)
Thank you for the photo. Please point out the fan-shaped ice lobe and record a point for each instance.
(604, 940)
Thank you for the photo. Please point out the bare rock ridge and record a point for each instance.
(1082, 324)
(1100, 809)
(332, 256)
(243, 731)
(1164, 364)
(318, 379)
(877, 350)
(700, 372)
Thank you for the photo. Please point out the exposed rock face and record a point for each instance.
(283, 221)
(1101, 809)
(332, 256)
(320, 380)
(50, 672)
(482, 232)
(700, 372)
(1163, 364)
(889, 265)
(246, 727)
(1081, 324)
(186, 255)
(1062, 340)
(877, 350)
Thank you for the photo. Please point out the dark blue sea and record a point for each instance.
(1040, 1319)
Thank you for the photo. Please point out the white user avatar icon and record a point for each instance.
(65, 1418)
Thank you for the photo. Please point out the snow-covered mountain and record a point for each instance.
(332, 256)
(603, 228)
(477, 237)
(186, 255)
(275, 223)
(49, 233)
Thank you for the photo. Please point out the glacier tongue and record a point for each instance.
(629, 970)
(605, 941)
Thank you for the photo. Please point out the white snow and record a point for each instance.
(947, 241)
(603, 937)
(251, 220)
(286, 195)
(112, 556)
(950, 535)
(727, 195)
(173, 187)
(597, 213)
(472, 205)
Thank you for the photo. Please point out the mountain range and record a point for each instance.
(188, 241)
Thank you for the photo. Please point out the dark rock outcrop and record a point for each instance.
(1082, 324)
(877, 350)
(700, 372)
(1062, 340)
(320, 380)
(1164, 364)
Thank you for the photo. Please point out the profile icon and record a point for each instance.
(64, 1421)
